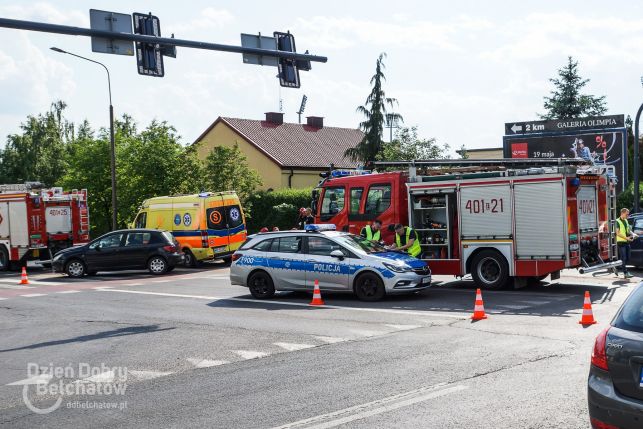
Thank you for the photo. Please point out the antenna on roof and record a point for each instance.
(302, 107)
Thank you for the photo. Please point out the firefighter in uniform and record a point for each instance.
(406, 239)
(624, 236)
(372, 232)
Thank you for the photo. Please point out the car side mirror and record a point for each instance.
(98, 247)
(337, 254)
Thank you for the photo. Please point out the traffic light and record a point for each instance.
(149, 59)
(288, 70)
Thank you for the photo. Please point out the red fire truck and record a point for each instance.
(494, 219)
(35, 223)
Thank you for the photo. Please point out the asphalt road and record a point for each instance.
(191, 350)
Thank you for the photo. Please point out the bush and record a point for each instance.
(626, 198)
(276, 208)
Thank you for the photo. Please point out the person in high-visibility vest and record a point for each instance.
(406, 239)
(373, 231)
(624, 236)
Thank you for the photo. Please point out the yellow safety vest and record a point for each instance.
(369, 234)
(415, 249)
(623, 228)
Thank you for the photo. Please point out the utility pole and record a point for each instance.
(112, 144)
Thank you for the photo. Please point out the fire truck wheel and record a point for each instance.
(261, 285)
(490, 270)
(157, 265)
(4, 259)
(369, 287)
(75, 268)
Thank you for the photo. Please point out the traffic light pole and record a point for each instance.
(165, 41)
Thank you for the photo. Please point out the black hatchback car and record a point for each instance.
(615, 384)
(129, 249)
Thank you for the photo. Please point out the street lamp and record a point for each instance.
(111, 132)
(637, 164)
(392, 122)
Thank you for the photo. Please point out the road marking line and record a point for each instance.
(103, 377)
(14, 286)
(1, 299)
(366, 333)
(36, 379)
(133, 284)
(160, 281)
(369, 409)
(205, 363)
(39, 282)
(68, 291)
(33, 295)
(403, 327)
(330, 340)
(292, 347)
(102, 287)
(147, 375)
(249, 354)
(512, 307)
(535, 302)
(461, 316)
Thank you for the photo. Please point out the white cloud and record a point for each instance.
(45, 12)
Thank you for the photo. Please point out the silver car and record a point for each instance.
(339, 261)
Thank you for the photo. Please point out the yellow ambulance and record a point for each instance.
(207, 225)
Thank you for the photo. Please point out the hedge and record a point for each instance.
(278, 208)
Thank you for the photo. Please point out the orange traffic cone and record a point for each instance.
(317, 299)
(24, 280)
(478, 310)
(588, 316)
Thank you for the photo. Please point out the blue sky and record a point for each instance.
(459, 69)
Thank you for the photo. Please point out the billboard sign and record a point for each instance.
(598, 147)
(563, 125)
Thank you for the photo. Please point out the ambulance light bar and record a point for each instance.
(318, 227)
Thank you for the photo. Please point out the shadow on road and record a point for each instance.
(456, 297)
(132, 330)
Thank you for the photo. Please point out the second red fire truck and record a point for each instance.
(35, 223)
(498, 220)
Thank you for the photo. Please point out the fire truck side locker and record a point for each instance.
(541, 233)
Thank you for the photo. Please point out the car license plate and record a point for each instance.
(220, 249)
(426, 280)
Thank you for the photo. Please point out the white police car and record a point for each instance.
(293, 260)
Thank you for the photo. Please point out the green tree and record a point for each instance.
(152, 163)
(226, 169)
(374, 111)
(38, 152)
(89, 168)
(408, 146)
(566, 100)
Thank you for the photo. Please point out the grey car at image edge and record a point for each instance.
(615, 384)
(130, 249)
(339, 261)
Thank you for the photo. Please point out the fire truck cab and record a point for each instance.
(498, 220)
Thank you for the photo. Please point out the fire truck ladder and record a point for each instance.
(510, 166)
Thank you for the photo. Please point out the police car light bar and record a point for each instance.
(320, 227)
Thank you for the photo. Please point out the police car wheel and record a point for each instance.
(490, 270)
(261, 285)
(369, 287)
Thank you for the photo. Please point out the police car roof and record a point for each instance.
(301, 231)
